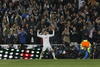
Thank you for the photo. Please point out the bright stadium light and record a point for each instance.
(21, 54)
(17, 50)
(32, 55)
(26, 55)
(22, 50)
(7, 49)
(1, 51)
(27, 51)
(11, 53)
(17, 54)
(6, 52)
(32, 51)
(12, 49)
(64, 52)
(37, 52)
(37, 55)
(38, 49)
(10, 57)
(0, 55)
(16, 57)
(5, 56)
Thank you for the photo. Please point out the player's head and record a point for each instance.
(45, 32)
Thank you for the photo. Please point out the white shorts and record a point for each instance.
(47, 47)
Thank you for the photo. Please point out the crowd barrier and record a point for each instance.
(32, 51)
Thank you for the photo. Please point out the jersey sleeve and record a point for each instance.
(38, 35)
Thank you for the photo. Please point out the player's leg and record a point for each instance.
(52, 51)
(41, 55)
(53, 54)
(43, 50)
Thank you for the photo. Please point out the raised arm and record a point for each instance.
(51, 35)
(38, 34)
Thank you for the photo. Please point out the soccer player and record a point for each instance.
(46, 43)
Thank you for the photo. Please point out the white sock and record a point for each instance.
(53, 54)
(41, 55)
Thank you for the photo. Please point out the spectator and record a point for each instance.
(56, 14)
(22, 36)
(66, 36)
(31, 38)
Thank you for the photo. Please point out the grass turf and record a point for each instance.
(50, 63)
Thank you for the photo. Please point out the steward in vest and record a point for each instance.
(85, 46)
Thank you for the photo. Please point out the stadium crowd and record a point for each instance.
(20, 20)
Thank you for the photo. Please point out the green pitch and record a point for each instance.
(50, 63)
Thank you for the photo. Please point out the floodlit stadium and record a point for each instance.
(49, 33)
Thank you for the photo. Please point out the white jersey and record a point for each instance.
(45, 38)
(46, 42)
